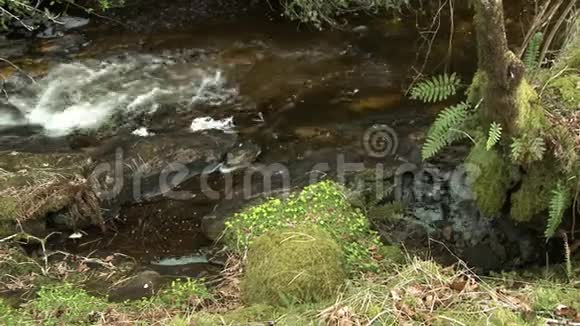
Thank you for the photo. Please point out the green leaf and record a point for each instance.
(494, 135)
(436, 89)
(446, 129)
(558, 205)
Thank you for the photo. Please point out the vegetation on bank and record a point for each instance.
(312, 258)
(522, 121)
(319, 13)
(325, 205)
(292, 272)
(414, 291)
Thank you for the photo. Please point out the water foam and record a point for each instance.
(88, 95)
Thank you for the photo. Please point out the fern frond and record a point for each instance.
(533, 52)
(558, 204)
(517, 149)
(446, 129)
(528, 151)
(537, 149)
(494, 135)
(435, 89)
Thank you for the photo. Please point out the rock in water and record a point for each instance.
(148, 167)
(241, 157)
(143, 285)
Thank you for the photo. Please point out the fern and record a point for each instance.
(533, 52)
(528, 151)
(446, 129)
(436, 89)
(494, 135)
(517, 149)
(558, 204)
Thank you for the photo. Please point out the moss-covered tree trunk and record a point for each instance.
(502, 69)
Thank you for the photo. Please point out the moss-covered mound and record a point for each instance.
(293, 265)
(324, 204)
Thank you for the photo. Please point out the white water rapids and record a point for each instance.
(81, 96)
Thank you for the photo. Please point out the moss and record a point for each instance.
(476, 89)
(565, 90)
(324, 204)
(531, 115)
(389, 212)
(534, 194)
(293, 265)
(491, 178)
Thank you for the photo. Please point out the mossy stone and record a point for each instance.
(534, 194)
(293, 265)
(491, 176)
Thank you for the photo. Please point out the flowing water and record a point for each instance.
(301, 97)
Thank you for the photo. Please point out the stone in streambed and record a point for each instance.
(138, 168)
(143, 285)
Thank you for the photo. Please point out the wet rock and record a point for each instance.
(70, 22)
(213, 227)
(65, 23)
(13, 48)
(10, 116)
(140, 168)
(51, 31)
(241, 157)
(441, 206)
(64, 44)
(143, 285)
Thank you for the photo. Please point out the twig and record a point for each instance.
(555, 29)
(17, 68)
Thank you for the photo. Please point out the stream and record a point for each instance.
(254, 92)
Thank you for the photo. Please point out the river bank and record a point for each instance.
(125, 154)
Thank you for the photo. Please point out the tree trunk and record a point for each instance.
(503, 70)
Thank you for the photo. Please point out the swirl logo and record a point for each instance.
(380, 141)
